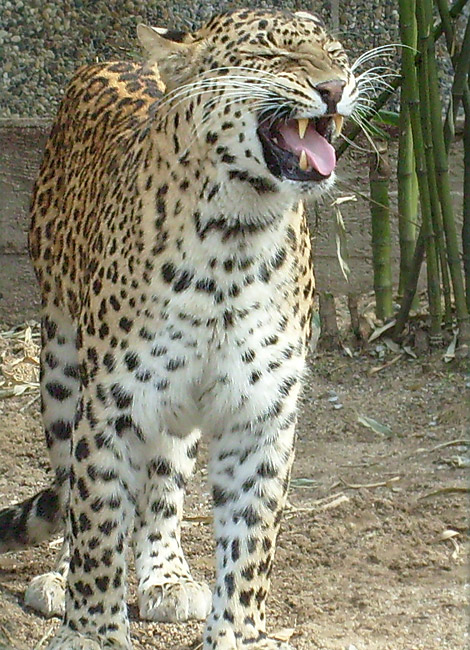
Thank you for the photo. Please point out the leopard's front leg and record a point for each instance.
(250, 475)
(99, 513)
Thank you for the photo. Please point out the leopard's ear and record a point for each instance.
(174, 35)
(174, 52)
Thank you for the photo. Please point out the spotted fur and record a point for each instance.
(177, 283)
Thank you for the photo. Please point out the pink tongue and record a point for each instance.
(320, 154)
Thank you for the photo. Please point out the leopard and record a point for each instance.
(170, 240)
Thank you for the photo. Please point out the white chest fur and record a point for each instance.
(222, 348)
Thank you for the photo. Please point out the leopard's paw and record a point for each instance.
(46, 594)
(66, 639)
(220, 636)
(272, 644)
(175, 602)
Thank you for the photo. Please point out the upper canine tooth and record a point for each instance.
(302, 125)
(303, 162)
(338, 120)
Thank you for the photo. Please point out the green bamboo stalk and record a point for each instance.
(406, 175)
(409, 293)
(407, 197)
(443, 186)
(424, 17)
(452, 12)
(461, 63)
(410, 91)
(446, 26)
(449, 33)
(466, 204)
(449, 135)
(381, 233)
(462, 69)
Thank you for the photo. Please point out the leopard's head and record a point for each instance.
(267, 90)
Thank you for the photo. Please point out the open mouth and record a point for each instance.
(299, 149)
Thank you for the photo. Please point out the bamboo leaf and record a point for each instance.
(375, 131)
(391, 118)
(376, 427)
(303, 482)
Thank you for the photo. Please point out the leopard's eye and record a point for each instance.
(261, 55)
(267, 55)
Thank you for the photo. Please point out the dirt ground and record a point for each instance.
(373, 552)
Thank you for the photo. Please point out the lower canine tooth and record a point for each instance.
(303, 162)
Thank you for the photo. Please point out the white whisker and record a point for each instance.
(374, 53)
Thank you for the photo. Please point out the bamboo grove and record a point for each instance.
(426, 220)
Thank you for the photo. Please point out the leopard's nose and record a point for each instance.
(331, 93)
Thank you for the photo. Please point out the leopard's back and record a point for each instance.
(87, 169)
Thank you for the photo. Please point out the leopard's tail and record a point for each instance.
(32, 521)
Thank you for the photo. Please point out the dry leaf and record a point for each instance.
(342, 498)
(380, 330)
(284, 634)
(340, 235)
(448, 534)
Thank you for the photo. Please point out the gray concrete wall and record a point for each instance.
(21, 145)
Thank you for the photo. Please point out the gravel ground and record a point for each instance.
(43, 41)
